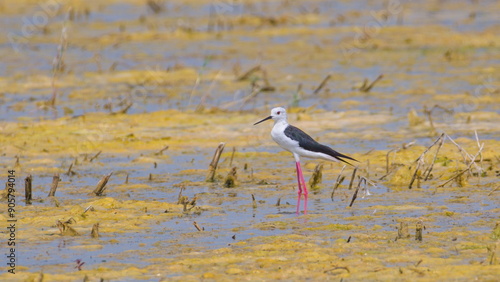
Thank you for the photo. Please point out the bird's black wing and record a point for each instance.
(308, 143)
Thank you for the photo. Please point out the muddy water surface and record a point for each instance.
(133, 78)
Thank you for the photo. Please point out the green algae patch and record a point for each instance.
(277, 259)
(100, 132)
(334, 227)
(276, 225)
(139, 97)
(399, 207)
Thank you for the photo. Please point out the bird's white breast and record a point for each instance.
(278, 135)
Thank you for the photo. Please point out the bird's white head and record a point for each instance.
(277, 114)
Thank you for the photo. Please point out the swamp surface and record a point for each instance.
(147, 90)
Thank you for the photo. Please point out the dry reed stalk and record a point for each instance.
(355, 195)
(57, 62)
(322, 84)
(248, 73)
(215, 160)
(161, 151)
(420, 160)
(95, 156)
(53, 188)
(27, 189)
(317, 176)
(352, 177)
(367, 88)
(101, 186)
(464, 153)
(198, 227)
(465, 170)
(95, 231)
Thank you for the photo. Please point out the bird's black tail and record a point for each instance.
(341, 157)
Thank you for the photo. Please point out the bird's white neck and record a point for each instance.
(281, 122)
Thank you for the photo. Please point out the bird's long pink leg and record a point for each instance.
(299, 172)
(300, 178)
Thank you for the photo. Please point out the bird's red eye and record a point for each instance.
(278, 113)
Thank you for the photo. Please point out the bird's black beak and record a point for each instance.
(269, 117)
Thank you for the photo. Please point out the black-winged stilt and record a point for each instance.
(300, 144)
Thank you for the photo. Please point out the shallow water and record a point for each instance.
(178, 70)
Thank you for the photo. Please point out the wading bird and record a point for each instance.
(300, 144)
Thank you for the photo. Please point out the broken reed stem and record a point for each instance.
(193, 90)
(53, 188)
(244, 100)
(480, 154)
(95, 156)
(428, 171)
(403, 230)
(419, 163)
(337, 184)
(367, 168)
(232, 157)
(337, 268)
(322, 84)
(230, 180)
(429, 113)
(352, 177)
(465, 170)
(101, 186)
(215, 160)
(124, 110)
(69, 172)
(340, 179)
(184, 201)
(428, 148)
(65, 229)
(161, 151)
(355, 195)
(420, 159)
(95, 231)
(57, 62)
(193, 202)
(418, 231)
(89, 208)
(27, 189)
(155, 6)
(365, 88)
(418, 262)
(460, 149)
(464, 153)
(317, 176)
(387, 160)
(198, 227)
(496, 189)
(429, 116)
(248, 73)
(254, 203)
(179, 197)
